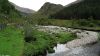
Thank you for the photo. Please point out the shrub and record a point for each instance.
(28, 31)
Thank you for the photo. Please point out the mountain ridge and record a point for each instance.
(81, 10)
(22, 9)
(50, 8)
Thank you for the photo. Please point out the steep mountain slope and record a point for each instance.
(81, 10)
(23, 10)
(43, 13)
(50, 8)
(7, 10)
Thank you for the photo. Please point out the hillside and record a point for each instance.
(80, 10)
(23, 10)
(41, 16)
(50, 8)
(7, 10)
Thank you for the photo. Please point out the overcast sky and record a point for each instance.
(36, 4)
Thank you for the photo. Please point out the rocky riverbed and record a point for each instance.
(86, 44)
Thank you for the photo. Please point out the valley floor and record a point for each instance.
(78, 42)
(86, 44)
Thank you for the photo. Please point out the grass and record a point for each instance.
(39, 47)
(59, 22)
(56, 22)
(64, 37)
(74, 23)
(11, 42)
(44, 42)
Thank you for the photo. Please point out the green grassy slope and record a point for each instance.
(7, 10)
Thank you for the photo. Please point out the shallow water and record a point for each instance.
(79, 47)
(92, 50)
(59, 50)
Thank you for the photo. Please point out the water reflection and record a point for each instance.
(60, 48)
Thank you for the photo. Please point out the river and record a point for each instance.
(86, 44)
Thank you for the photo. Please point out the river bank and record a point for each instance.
(86, 43)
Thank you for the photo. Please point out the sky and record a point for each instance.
(36, 4)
